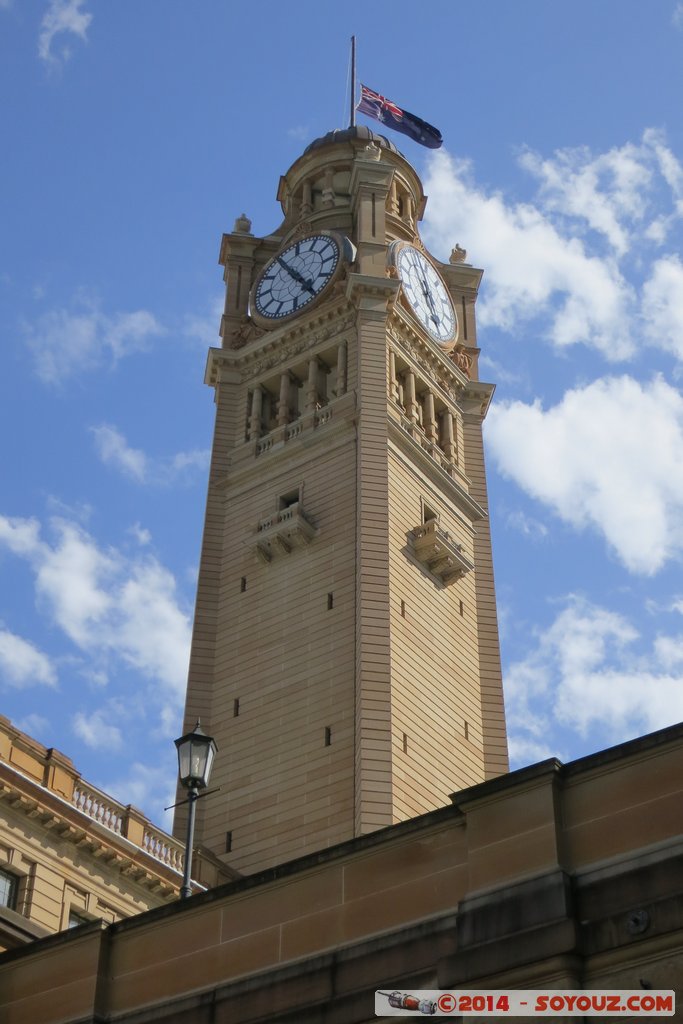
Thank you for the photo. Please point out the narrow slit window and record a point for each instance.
(467, 731)
(228, 842)
(243, 584)
(236, 707)
(328, 735)
(330, 602)
(403, 609)
(405, 742)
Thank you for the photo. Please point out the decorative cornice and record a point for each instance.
(368, 286)
(71, 825)
(406, 339)
(470, 509)
(277, 347)
(477, 399)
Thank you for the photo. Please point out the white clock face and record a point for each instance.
(426, 293)
(291, 280)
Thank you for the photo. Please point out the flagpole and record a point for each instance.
(352, 121)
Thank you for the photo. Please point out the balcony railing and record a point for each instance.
(284, 530)
(440, 553)
(126, 821)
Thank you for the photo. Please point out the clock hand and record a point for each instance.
(308, 285)
(427, 292)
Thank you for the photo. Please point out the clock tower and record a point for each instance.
(345, 652)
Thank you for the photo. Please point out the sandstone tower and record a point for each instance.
(345, 652)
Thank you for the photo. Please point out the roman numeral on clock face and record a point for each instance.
(296, 276)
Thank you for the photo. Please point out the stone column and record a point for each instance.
(409, 396)
(256, 409)
(283, 405)
(447, 436)
(430, 426)
(393, 198)
(393, 383)
(307, 200)
(409, 209)
(312, 384)
(341, 369)
(328, 189)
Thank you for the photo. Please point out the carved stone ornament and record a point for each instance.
(302, 229)
(242, 225)
(372, 151)
(462, 359)
(246, 331)
(287, 346)
(458, 254)
(419, 244)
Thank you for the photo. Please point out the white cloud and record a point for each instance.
(532, 267)
(113, 449)
(96, 732)
(62, 16)
(526, 525)
(662, 309)
(36, 726)
(205, 327)
(608, 456)
(141, 535)
(20, 536)
(571, 258)
(74, 580)
(66, 342)
(153, 632)
(611, 194)
(151, 787)
(677, 16)
(22, 664)
(112, 607)
(198, 458)
(586, 676)
(606, 191)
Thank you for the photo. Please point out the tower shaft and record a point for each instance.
(345, 650)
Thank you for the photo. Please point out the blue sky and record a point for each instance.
(133, 135)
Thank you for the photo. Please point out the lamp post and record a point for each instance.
(196, 752)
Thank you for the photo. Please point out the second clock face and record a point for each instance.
(426, 294)
(296, 276)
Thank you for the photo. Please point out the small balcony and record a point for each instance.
(439, 553)
(282, 532)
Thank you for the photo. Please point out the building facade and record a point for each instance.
(345, 651)
(551, 877)
(70, 853)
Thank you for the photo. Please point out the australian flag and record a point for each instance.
(381, 109)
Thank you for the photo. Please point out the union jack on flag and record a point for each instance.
(372, 104)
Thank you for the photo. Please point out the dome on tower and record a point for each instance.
(359, 132)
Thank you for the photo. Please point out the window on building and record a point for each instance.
(428, 513)
(289, 499)
(75, 919)
(9, 888)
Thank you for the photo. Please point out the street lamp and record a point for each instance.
(196, 752)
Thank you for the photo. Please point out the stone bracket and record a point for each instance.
(437, 550)
(282, 532)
